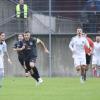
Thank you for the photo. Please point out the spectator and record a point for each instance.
(21, 10)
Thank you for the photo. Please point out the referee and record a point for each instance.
(88, 51)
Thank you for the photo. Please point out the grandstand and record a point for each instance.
(55, 22)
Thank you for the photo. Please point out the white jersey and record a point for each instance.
(96, 54)
(96, 51)
(77, 46)
(5, 46)
(2, 48)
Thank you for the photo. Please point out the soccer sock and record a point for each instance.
(36, 72)
(85, 75)
(26, 70)
(82, 73)
(34, 76)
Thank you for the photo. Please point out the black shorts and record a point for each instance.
(27, 63)
(88, 59)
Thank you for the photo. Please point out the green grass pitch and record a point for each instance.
(51, 89)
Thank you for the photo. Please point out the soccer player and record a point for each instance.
(96, 56)
(88, 51)
(19, 47)
(1, 62)
(77, 47)
(5, 46)
(2, 51)
(30, 54)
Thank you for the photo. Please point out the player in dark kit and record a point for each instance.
(19, 47)
(30, 53)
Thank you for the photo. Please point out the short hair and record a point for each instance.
(27, 32)
(1, 33)
(79, 27)
(20, 34)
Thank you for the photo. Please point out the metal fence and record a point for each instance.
(55, 22)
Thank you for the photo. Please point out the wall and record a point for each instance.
(40, 24)
(62, 62)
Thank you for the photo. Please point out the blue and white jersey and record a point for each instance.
(77, 46)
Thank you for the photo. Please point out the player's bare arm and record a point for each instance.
(43, 45)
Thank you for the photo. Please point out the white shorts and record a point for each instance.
(96, 60)
(79, 61)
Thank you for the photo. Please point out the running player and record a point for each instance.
(96, 56)
(2, 51)
(19, 47)
(5, 47)
(77, 47)
(30, 53)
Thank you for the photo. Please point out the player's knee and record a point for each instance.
(32, 64)
(83, 66)
(78, 68)
(87, 67)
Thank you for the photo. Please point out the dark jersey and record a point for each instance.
(22, 11)
(19, 44)
(30, 48)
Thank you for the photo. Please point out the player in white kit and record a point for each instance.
(1, 61)
(96, 56)
(77, 47)
(5, 46)
(3, 49)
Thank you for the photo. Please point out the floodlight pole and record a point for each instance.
(50, 33)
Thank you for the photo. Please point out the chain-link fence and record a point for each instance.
(55, 22)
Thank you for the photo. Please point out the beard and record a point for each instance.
(79, 34)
